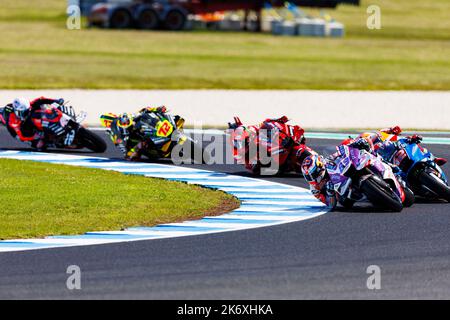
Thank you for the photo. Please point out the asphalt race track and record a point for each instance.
(325, 257)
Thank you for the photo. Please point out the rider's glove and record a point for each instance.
(415, 139)
(60, 101)
(132, 156)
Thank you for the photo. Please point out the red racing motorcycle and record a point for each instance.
(273, 146)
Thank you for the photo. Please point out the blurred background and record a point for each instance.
(323, 44)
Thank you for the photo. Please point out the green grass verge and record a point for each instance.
(40, 199)
(410, 52)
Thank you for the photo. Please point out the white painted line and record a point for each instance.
(260, 217)
(275, 202)
(254, 196)
(223, 225)
(272, 191)
(143, 232)
(268, 208)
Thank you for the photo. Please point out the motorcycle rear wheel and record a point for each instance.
(436, 185)
(380, 196)
(92, 141)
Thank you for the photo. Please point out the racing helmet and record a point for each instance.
(390, 134)
(239, 139)
(313, 168)
(21, 107)
(395, 130)
(372, 138)
(125, 120)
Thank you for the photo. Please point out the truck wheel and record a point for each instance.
(148, 19)
(175, 20)
(120, 19)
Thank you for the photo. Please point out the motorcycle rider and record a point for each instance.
(314, 167)
(287, 137)
(320, 185)
(383, 142)
(22, 118)
(131, 134)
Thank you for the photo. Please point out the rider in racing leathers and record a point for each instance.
(22, 118)
(247, 138)
(131, 134)
(320, 185)
(383, 142)
(315, 173)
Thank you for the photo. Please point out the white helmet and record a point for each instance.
(21, 107)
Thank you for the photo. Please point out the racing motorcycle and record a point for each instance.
(358, 175)
(168, 135)
(421, 170)
(281, 144)
(70, 133)
(73, 134)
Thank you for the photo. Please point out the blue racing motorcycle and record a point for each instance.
(420, 169)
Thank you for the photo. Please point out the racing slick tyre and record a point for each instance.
(120, 19)
(175, 20)
(347, 203)
(432, 182)
(90, 140)
(148, 19)
(380, 195)
(409, 197)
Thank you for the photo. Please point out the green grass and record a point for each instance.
(410, 52)
(42, 199)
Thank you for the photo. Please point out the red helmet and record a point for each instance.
(239, 139)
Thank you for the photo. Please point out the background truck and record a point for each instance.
(173, 14)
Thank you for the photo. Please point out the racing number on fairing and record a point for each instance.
(343, 165)
(164, 129)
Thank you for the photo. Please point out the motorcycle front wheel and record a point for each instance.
(381, 195)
